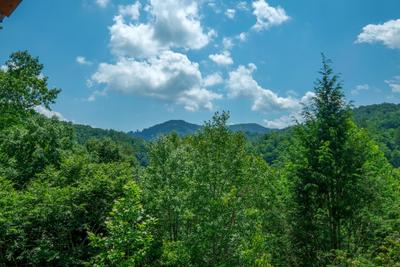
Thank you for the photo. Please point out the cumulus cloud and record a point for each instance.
(242, 83)
(170, 76)
(230, 13)
(280, 123)
(145, 61)
(294, 117)
(133, 40)
(173, 24)
(82, 61)
(387, 33)
(222, 59)
(268, 16)
(394, 84)
(360, 88)
(197, 98)
(212, 80)
(130, 11)
(102, 3)
(177, 22)
(49, 113)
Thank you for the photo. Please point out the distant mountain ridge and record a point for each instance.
(183, 128)
(381, 120)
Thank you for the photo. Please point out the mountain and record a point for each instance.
(181, 127)
(184, 128)
(383, 124)
(380, 116)
(381, 120)
(250, 128)
(84, 133)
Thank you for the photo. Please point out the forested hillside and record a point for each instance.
(383, 124)
(381, 120)
(321, 193)
(130, 144)
(183, 128)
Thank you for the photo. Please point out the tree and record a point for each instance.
(22, 88)
(47, 223)
(335, 173)
(104, 150)
(128, 236)
(26, 149)
(216, 204)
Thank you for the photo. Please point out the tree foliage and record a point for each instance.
(216, 205)
(336, 175)
(319, 194)
(23, 87)
(128, 238)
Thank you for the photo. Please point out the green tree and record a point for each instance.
(216, 205)
(104, 150)
(128, 238)
(47, 223)
(335, 173)
(22, 88)
(27, 149)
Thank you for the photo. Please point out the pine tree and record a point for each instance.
(328, 174)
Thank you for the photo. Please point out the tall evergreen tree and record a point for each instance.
(331, 182)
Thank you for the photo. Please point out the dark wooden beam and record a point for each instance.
(7, 7)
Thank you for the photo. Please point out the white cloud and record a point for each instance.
(242, 83)
(212, 80)
(242, 5)
(242, 37)
(177, 22)
(214, 6)
(307, 98)
(268, 16)
(222, 59)
(294, 117)
(280, 123)
(103, 3)
(394, 84)
(130, 11)
(82, 61)
(197, 98)
(387, 33)
(146, 64)
(170, 76)
(96, 94)
(133, 40)
(49, 113)
(172, 24)
(360, 88)
(227, 42)
(230, 13)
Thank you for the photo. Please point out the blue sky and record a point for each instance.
(128, 65)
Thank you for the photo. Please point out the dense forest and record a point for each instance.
(325, 192)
